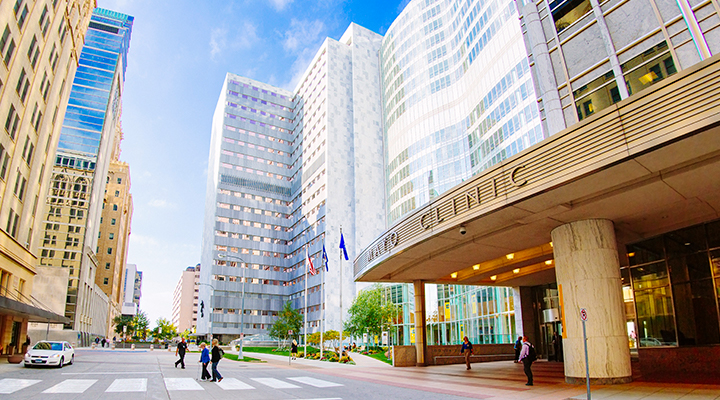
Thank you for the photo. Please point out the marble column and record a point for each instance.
(587, 267)
(420, 342)
(526, 323)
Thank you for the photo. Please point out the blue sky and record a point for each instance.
(179, 54)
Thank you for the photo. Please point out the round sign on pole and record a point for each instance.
(290, 332)
(583, 314)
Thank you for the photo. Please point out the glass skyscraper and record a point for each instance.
(90, 133)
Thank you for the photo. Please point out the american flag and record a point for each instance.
(313, 271)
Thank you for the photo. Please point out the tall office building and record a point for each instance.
(39, 45)
(185, 300)
(275, 157)
(132, 280)
(74, 203)
(114, 236)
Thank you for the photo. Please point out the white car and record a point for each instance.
(50, 353)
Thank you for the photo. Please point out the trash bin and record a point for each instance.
(166, 345)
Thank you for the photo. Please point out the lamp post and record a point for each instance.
(242, 304)
(212, 303)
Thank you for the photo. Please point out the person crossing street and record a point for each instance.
(180, 351)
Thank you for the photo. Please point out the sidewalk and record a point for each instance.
(501, 380)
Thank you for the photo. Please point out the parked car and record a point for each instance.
(50, 353)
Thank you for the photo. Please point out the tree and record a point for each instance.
(287, 320)
(141, 323)
(124, 320)
(164, 330)
(368, 314)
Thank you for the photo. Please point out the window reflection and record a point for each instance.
(653, 65)
(566, 12)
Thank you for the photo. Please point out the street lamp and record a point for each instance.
(242, 304)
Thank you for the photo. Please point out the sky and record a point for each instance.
(180, 52)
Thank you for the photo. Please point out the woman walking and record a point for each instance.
(205, 360)
(467, 350)
(293, 350)
(217, 354)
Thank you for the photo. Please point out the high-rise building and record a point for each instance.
(185, 300)
(132, 281)
(114, 236)
(39, 46)
(84, 151)
(275, 158)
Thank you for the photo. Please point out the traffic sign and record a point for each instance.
(583, 314)
(290, 332)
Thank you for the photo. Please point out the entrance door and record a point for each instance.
(552, 345)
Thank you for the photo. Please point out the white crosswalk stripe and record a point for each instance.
(8, 385)
(182, 384)
(128, 385)
(71, 386)
(275, 383)
(315, 382)
(233, 384)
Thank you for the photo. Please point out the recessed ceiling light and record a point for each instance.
(510, 256)
(516, 271)
(494, 277)
(548, 262)
(453, 275)
(476, 267)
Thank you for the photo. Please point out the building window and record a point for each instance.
(112, 236)
(112, 221)
(109, 250)
(107, 265)
(117, 193)
(119, 180)
(114, 207)
(105, 281)
(568, 11)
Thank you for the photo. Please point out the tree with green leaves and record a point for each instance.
(164, 330)
(368, 314)
(141, 324)
(124, 321)
(287, 320)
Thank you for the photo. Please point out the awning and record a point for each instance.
(9, 306)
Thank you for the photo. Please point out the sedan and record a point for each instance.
(50, 353)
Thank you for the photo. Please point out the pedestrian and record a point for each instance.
(217, 355)
(518, 347)
(103, 341)
(97, 340)
(528, 355)
(205, 360)
(467, 350)
(293, 350)
(180, 350)
(557, 346)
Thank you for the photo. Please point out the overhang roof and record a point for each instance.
(650, 163)
(9, 306)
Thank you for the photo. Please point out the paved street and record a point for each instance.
(105, 374)
(141, 374)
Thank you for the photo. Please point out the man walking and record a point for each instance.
(180, 350)
(518, 347)
(527, 356)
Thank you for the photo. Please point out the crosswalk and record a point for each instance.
(9, 385)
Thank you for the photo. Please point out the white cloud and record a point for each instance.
(280, 5)
(218, 41)
(161, 203)
(302, 34)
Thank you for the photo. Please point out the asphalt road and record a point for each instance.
(105, 374)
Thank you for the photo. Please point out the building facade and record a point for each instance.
(114, 236)
(74, 203)
(185, 300)
(39, 47)
(132, 284)
(612, 219)
(275, 157)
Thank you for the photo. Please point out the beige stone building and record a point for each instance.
(114, 237)
(40, 44)
(185, 299)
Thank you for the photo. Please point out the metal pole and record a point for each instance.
(307, 256)
(587, 364)
(322, 303)
(341, 285)
(242, 316)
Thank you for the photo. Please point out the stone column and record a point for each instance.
(420, 342)
(587, 267)
(526, 323)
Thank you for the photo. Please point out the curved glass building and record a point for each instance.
(457, 96)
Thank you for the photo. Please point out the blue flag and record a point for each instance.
(342, 246)
(325, 259)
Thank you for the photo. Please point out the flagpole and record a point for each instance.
(322, 300)
(341, 283)
(307, 257)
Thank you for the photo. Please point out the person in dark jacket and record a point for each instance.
(205, 360)
(217, 355)
(518, 347)
(293, 350)
(467, 350)
(180, 350)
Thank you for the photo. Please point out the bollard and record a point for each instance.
(112, 346)
(93, 346)
(132, 346)
(152, 347)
